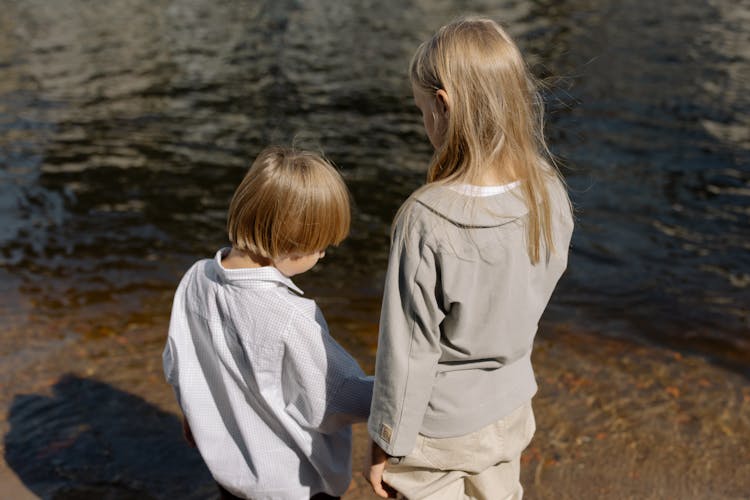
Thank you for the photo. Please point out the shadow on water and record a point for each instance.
(89, 440)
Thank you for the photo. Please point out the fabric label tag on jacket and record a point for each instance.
(386, 432)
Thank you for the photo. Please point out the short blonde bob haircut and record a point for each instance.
(291, 203)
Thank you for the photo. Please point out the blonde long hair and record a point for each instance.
(496, 117)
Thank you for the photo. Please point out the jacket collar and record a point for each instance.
(266, 274)
(473, 211)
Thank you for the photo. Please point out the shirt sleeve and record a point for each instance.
(169, 363)
(177, 325)
(408, 343)
(324, 387)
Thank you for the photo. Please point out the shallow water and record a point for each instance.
(125, 126)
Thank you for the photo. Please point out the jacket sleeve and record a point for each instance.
(408, 342)
(324, 387)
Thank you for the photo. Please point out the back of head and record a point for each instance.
(290, 203)
(496, 114)
(495, 109)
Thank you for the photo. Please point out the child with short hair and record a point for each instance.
(267, 394)
(475, 256)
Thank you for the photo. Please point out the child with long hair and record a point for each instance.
(267, 394)
(475, 255)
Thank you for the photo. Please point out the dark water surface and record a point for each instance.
(126, 125)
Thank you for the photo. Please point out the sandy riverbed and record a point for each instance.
(615, 420)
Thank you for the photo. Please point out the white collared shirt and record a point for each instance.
(269, 395)
(483, 191)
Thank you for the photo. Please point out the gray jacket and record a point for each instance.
(460, 310)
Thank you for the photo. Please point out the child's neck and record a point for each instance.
(493, 177)
(237, 259)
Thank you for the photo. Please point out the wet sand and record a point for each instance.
(615, 420)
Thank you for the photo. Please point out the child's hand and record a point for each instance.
(374, 466)
(187, 432)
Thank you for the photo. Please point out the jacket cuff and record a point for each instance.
(382, 434)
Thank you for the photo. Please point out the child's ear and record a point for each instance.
(443, 101)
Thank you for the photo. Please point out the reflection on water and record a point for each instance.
(124, 127)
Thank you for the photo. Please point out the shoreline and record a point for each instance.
(615, 419)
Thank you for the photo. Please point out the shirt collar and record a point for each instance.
(267, 274)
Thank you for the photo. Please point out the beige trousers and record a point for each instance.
(483, 465)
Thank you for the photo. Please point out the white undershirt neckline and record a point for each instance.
(482, 191)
